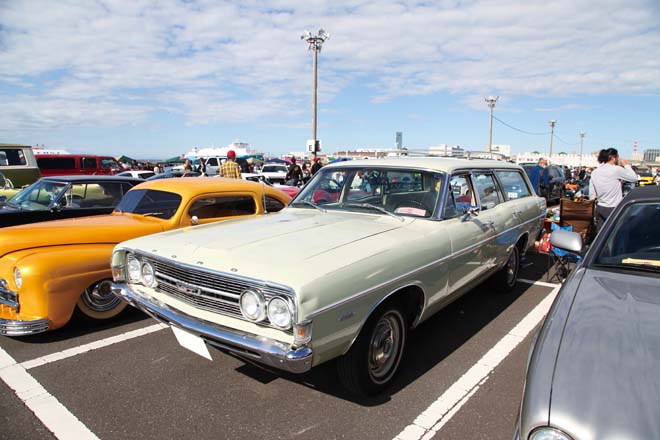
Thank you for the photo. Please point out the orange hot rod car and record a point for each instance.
(49, 269)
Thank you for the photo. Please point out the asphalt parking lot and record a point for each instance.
(462, 378)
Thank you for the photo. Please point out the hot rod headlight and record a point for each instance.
(253, 305)
(18, 279)
(547, 433)
(148, 275)
(133, 268)
(279, 313)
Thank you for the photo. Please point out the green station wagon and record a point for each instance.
(365, 252)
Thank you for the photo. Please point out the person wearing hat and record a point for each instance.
(230, 168)
(316, 166)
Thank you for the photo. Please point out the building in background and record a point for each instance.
(652, 155)
(399, 140)
(571, 160)
(501, 149)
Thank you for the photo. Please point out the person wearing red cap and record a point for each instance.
(230, 168)
(316, 166)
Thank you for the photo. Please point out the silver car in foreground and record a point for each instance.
(367, 250)
(594, 370)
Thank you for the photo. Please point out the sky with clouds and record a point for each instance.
(155, 78)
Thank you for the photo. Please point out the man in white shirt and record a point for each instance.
(605, 183)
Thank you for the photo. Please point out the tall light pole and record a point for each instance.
(552, 122)
(582, 133)
(314, 42)
(491, 100)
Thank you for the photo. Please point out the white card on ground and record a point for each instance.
(192, 342)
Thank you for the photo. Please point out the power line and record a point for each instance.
(518, 129)
(570, 144)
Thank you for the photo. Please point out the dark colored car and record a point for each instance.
(174, 174)
(593, 369)
(58, 197)
(556, 182)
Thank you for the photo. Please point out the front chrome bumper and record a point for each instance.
(15, 327)
(263, 350)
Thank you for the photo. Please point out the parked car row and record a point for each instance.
(49, 269)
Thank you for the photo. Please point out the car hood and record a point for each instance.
(290, 247)
(606, 382)
(111, 228)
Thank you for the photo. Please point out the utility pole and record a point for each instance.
(582, 133)
(552, 122)
(315, 42)
(491, 100)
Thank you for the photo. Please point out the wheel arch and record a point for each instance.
(412, 300)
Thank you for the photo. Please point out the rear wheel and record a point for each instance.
(373, 360)
(98, 302)
(505, 280)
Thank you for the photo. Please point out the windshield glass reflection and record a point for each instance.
(382, 191)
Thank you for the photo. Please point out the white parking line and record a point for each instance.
(429, 422)
(58, 356)
(55, 417)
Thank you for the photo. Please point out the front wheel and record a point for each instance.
(99, 303)
(373, 360)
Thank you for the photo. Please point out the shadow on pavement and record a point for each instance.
(457, 323)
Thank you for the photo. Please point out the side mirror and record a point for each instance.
(567, 241)
(55, 207)
(194, 220)
(472, 211)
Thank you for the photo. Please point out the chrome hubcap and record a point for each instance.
(99, 297)
(385, 347)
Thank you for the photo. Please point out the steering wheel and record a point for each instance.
(655, 248)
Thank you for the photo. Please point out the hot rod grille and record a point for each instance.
(207, 290)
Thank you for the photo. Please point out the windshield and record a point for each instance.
(274, 169)
(635, 240)
(38, 196)
(149, 202)
(374, 190)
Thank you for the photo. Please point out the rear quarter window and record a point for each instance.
(10, 157)
(56, 163)
(513, 184)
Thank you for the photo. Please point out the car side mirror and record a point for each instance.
(472, 211)
(567, 241)
(55, 207)
(194, 220)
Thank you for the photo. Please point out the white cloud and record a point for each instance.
(243, 60)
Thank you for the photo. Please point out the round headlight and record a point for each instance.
(18, 279)
(279, 313)
(548, 433)
(133, 268)
(148, 275)
(253, 306)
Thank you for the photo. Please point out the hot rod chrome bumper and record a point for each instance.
(15, 327)
(263, 350)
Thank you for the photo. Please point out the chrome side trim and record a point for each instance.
(15, 327)
(263, 350)
(358, 295)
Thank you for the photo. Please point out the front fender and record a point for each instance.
(54, 278)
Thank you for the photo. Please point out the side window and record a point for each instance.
(489, 194)
(223, 206)
(12, 157)
(460, 196)
(513, 184)
(273, 205)
(88, 162)
(54, 163)
(109, 163)
(212, 162)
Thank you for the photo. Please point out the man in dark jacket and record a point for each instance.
(294, 176)
(316, 166)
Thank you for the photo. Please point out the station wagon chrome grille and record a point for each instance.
(207, 290)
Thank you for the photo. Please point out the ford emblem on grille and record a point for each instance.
(188, 288)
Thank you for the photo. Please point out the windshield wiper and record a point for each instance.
(374, 207)
(630, 266)
(307, 202)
